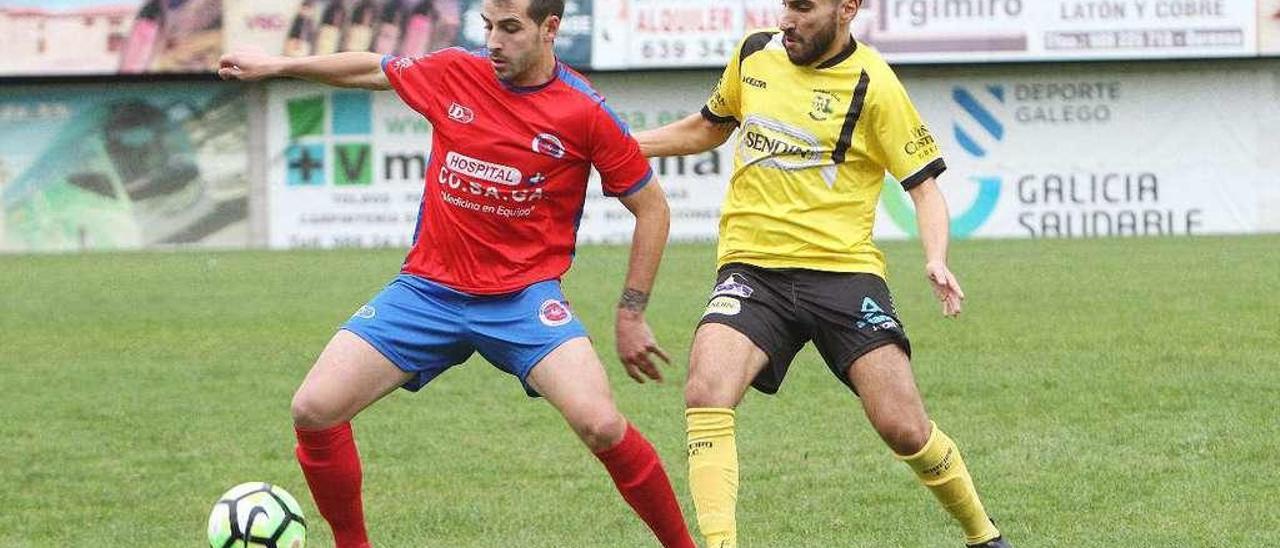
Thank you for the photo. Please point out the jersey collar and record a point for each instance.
(531, 89)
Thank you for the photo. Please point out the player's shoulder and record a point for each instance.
(435, 60)
(580, 95)
(582, 99)
(756, 41)
(879, 72)
(470, 58)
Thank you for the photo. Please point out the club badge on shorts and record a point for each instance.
(727, 306)
(734, 286)
(554, 313)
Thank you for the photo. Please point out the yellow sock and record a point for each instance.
(941, 469)
(713, 474)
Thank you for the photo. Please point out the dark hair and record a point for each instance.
(540, 9)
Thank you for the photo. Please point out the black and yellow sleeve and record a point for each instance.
(905, 146)
(725, 104)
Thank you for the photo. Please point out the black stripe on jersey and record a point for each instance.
(752, 44)
(716, 118)
(851, 119)
(933, 169)
(840, 57)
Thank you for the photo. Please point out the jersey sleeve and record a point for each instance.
(724, 106)
(616, 155)
(903, 142)
(417, 79)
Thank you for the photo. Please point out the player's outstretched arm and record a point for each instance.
(347, 70)
(692, 134)
(935, 225)
(634, 339)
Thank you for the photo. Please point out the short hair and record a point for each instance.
(540, 9)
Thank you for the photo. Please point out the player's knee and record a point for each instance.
(703, 392)
(905, 437)
(602, 431)
(311, 413)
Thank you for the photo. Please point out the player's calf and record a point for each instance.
(642, 480)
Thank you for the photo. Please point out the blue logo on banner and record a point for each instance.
(977, 130)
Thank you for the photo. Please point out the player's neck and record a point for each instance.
(838, 47)
(541, 73)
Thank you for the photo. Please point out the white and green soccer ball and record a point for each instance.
(257, 514)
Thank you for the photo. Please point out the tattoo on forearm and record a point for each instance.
(633, 300)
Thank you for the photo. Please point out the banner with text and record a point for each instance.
(1022, 30)
(127, 167)
(702, 33)
(345, 168)
(1082, 152)
(1085, 151)
(1160, 151)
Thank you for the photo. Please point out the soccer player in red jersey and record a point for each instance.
(516, 134)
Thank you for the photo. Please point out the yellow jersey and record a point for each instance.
(813, 146)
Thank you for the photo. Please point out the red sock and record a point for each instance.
(638, 473)
(332, 466)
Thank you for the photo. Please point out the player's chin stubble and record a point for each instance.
(810, 49)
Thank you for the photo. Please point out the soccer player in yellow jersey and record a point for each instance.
(820, 120)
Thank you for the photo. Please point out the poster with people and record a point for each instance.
(85, 167)
(69, 37)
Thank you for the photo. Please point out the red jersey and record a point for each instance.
(508, 171)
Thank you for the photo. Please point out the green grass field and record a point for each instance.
(1106, 393)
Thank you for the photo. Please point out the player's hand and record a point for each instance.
(636, 346)
(248, 65)
(945, 287)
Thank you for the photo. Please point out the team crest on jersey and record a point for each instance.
(824, 103)
(735, 285)
(554, 313)
(461, 114)
(548, 144)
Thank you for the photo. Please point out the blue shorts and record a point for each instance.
(425, 328)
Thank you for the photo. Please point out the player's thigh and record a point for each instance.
(349, 375)
(891, 398)
(407, 335)
(722, 364)
(858, 332)
(572, 379)
(748, 336)
(852, 314)
(516, 333)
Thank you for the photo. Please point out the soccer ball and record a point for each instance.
(257, 514)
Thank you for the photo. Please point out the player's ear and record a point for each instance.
(550, 28)
(848, 10)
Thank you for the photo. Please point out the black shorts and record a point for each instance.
(846, 315)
